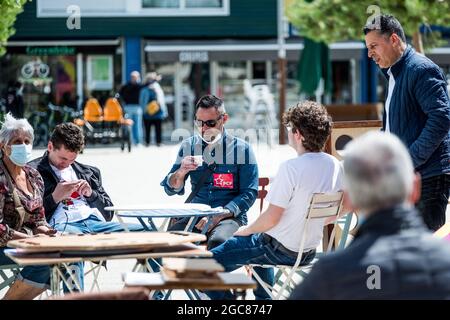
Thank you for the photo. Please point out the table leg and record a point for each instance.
(206, 227)
(54, 280)
(143, 224)
(152, 225)
(95, 269)
(124, 225)
(239, 293)
(189, 225)
(71, 276)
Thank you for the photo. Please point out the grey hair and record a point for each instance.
(378, 171)
(11, 126)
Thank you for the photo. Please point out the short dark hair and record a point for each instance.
(209, 101)
(313, 122)
(387, 25)
(68, 135)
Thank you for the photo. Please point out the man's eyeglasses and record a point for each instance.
(209, 123)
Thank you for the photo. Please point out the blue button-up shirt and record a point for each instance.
(234, 181)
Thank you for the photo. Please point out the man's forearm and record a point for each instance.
(176, 180)
(267, 220)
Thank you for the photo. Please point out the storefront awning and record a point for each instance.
(105, 42)
(232, 50)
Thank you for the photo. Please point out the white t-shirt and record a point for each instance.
(388, 100)
(75, 208)
(297, 179)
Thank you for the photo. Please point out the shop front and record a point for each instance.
(228, 68)
(61, 73)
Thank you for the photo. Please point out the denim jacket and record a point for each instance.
(234, 181)
(419, 112)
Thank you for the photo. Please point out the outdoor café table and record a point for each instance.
(60, 260)
(237, 282)
(166, 211)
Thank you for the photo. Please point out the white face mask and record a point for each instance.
(20, 154)
(210, 136)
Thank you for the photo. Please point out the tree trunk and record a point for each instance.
(417, 42)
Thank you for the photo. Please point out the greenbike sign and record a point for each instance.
(50, 51)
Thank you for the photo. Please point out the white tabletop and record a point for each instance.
(165, 210)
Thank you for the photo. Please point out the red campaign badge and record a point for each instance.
(223, 180)
(75, 195)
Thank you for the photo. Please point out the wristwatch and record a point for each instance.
(227, 211)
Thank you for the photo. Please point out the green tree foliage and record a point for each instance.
(337, 20)
(9, 9)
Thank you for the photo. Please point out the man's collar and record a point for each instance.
(398, 65)
(391, 220)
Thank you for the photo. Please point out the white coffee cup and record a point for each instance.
(198, 160)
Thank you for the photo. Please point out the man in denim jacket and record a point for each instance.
(417, 110)
(233, 183)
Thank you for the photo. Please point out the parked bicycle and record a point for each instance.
(44, 122)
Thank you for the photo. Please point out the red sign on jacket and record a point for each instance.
(223, 180)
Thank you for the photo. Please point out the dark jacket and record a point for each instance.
(99, 198)
(130, 93)
(14, 102)
(419, 112)
(412, 263)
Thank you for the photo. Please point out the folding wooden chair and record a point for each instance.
(322, 205)
(443, 232)
(262, 193)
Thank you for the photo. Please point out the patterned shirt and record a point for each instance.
(33, 205)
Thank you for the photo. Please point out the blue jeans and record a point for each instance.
(434, 199)
(36, 276)
(89, 225)
(134, 112)
(254, 249)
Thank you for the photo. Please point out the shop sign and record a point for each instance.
(100, 72)
(193, 56)
(50, 51)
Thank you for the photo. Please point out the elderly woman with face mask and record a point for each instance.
(21, 204)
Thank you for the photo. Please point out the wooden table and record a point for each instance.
(57, 262)
(237, 282)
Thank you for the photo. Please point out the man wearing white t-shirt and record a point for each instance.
(74, 198)
(274, 237)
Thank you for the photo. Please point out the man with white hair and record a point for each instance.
(393, 255)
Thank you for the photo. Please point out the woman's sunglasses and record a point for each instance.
(209, 123)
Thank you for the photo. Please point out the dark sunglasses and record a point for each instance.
(209, 123)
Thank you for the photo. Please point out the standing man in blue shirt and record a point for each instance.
(417, 110)
(231, 180)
